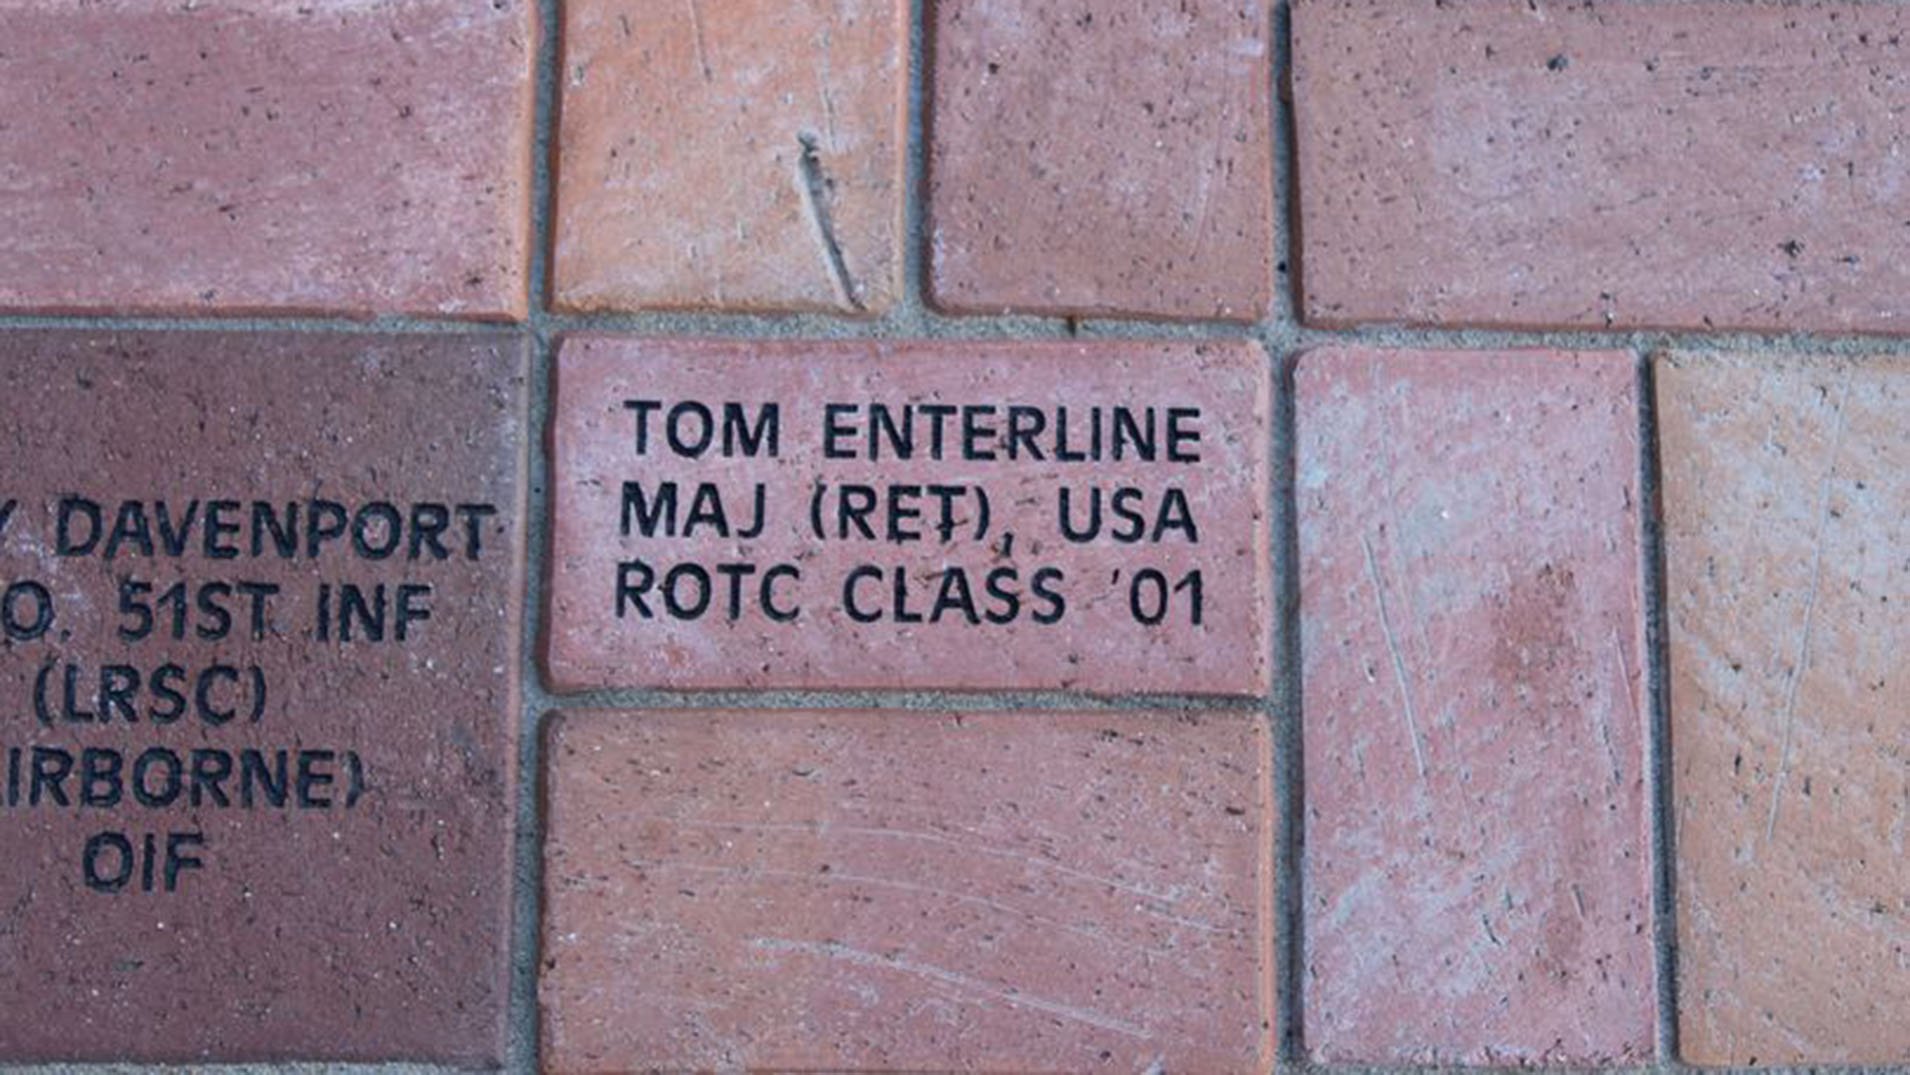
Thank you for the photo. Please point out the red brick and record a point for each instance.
(375, 928)
(1787, 517)
(266, 155)
(1478, 867)
(905, 892)
(1632, 164)
(724, 155)
(1072, 625)
(1101, 157)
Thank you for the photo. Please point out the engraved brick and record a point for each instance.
(1787, 579)
(1478, 867)
(250, 814)
(726, 155)
(703, 538)
(1712, 164)
(1102, 157)
(266, 155)
(842, 891)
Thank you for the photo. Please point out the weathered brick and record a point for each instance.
(266, 156)
(1101, 157)
(1711, 164)
(846, 891)
(724, 155)
(173, 891)
(1787, 520)
(823, 594)
(1478, 871)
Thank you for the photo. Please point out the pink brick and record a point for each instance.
(1002, 598)
(1101, 157)
(1628, 164)
(840, 891)
(266, 155)
(731, 155)
(1477, 883)
(1787, 520)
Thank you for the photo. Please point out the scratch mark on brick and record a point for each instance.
(1401, 560)
(823, 80)
(840, 877)
(696, 35)
(1631, 709)
(1399, 662)
(1810, 611)
(879, 832)
(864, 958)
(815, 187)
(1215, 164)
(1903, 814)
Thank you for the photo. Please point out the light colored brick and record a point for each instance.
(1478, 871)
(1787, 547)
(731, 155)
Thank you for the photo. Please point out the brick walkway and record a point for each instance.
(1002, 535)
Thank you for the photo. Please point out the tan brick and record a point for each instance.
(730, 155)
(1787, 534)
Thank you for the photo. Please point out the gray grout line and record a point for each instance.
(1658, 697)
(521, 1055)
(923, 324)
(1289, 742)
(900, 700)
(289, 323)
(527, 874)
(913, 272)
(1289, 909)
(1286, 188)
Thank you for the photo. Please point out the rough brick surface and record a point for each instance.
(352, 900)
(950, 568)
(266, 155)
(724, 155)
(1787, 520)
(1626, 164)
(838, 891)
(1478, 869)
(1101, 158)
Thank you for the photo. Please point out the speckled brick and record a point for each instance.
(728, 155)
(1477, 886)
(1787, 547)
(691, 548)
(1628, 164)
(266, 156)
(308, 856)
(1101, 157)
(843, 891)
